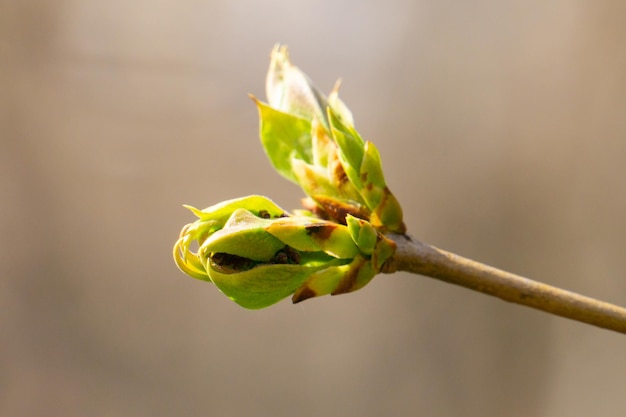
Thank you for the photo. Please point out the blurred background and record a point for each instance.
(502, 127)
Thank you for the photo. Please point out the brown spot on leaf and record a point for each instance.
(322, 232)
(338, 210)
(348, 282)
(303, 294)
(310, 205)
(339, 173)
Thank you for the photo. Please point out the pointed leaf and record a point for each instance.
(284, 136)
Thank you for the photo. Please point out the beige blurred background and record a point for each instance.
(502, 127)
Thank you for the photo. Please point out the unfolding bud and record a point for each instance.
(290, 90)
(257, 254)
(311, 140)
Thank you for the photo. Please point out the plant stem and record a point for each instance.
(420, 258)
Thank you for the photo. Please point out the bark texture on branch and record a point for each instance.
(420, 258)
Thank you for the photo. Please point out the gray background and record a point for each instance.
(502, 127)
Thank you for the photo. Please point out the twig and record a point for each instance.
(420, 258)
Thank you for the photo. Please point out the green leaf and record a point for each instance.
(284, 136)
(372, 167)
(262, 285)
(363, 233)
(313, 179)
(221, 212)
(320, 283)
(350, 147)
(243, 235)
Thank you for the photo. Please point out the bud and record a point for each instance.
(257, 254)
(290, 90)
(311, 140)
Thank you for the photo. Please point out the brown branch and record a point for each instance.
(420, 258)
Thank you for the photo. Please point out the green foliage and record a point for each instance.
(311, 140)
(255, 252)
(260, 255)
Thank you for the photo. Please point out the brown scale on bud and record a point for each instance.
(286, 255)
(230, 264)
(264, 214)
(330, 209)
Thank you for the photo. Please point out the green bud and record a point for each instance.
(336, 280)
(257, 254)
(211, 220)
(311, 140)
(363, 233)
(291, 91)
(252, 240)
